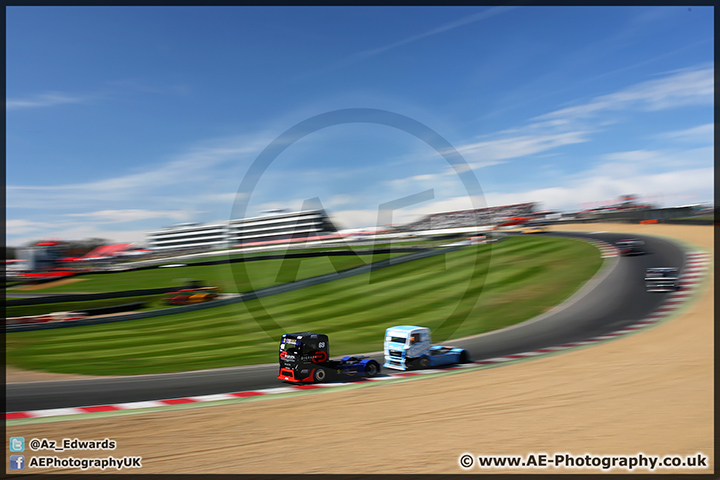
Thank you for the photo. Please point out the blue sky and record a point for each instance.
(123, 120)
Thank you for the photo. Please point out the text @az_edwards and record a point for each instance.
(37, 444)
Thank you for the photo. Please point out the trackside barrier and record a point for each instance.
(228, 299)
(120, 318)
(81, 297)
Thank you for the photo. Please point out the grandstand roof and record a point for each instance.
(108, 250)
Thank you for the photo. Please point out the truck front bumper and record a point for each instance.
(395, 364)
(288, 375)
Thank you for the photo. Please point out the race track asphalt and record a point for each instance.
(618, 300)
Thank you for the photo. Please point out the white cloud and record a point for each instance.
(683, 88)
(414, 180)
(339, 199)
(493, 152)
(365, 54)
(223, 198)
(172, 188)
(131, 215)
(110, 90)
(43, 100)
(19, 227)
(184, 188)
(183, 179)
(84, 231)
(20, 232)
(551, 131)
(490, 12)
(700, 134)
(689, 183)
(354, 218)
(642, 162)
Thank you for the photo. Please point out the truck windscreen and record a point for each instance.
(397, 339)
(288, 348)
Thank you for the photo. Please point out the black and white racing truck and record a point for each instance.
(662, 279)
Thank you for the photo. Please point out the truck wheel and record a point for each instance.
(424, 362)
(464, 357)
(320, 375)
(372, 369)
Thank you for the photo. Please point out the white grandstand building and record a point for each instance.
(280, 226)
(269, 228)
(189, 235)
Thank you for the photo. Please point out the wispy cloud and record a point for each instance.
(26, 231)
(366, 54)
(648, 173)
(44, 100)
(201, 170)
(81, 231)
(19, 226)
(700, 134)
(577, 124)
(687, 87)
(130, 215)
(495, 152)
(485, 14)
(113, 89)
(640, 162)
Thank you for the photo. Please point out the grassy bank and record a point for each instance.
(229, 277)
(473, 290)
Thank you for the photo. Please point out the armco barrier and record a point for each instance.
(125, 307)
(120, 318)
(228, 299)
(81, 297)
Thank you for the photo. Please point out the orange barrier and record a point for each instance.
(647, 222)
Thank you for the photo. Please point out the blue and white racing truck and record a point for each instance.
(408, 347)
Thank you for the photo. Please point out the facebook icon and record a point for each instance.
(17, 462)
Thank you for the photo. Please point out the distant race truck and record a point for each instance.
(304, 358)
(630, 246)
(662, 279)
(408, 347)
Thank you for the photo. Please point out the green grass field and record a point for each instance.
(260, 274)
(514, 280)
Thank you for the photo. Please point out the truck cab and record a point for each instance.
(304, 358)
(408, 346)
(630, 246)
